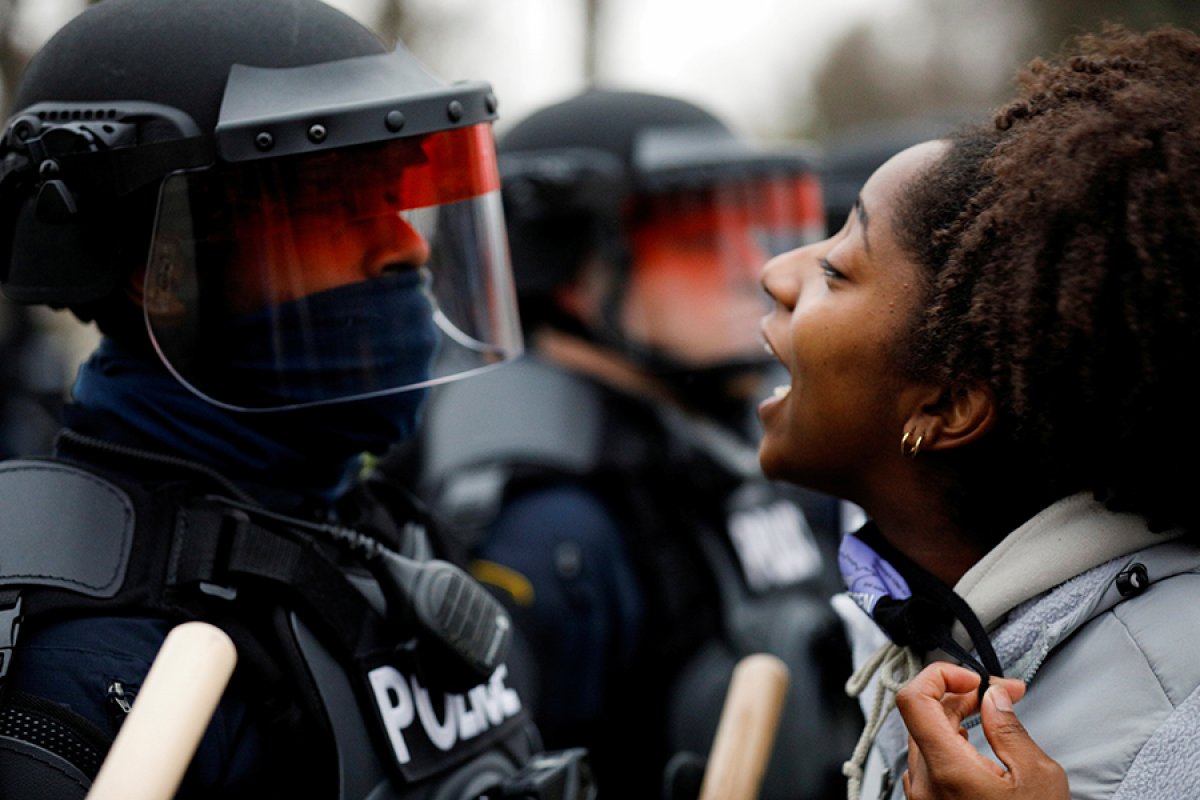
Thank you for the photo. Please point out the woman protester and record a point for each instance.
(993, 358)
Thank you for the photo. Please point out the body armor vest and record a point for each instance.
(366, 709)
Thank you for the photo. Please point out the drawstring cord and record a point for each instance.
(917, 611)
(895, 666)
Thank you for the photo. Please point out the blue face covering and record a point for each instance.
(868, 577)
(910, 605)
(313, 449)
(349, 341)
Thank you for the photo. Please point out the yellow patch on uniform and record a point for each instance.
(505, 578)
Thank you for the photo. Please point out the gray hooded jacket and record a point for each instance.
(1112, 661)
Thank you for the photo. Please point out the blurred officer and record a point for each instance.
(34, 371)
(607, 484)
(276, 225)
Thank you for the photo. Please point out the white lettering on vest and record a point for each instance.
(402, 699)
(395, 706)
(442, 734)
(775, 545)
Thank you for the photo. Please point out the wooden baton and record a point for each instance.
(169, 715)
(746, 731)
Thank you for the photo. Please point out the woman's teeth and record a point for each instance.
(781, 392)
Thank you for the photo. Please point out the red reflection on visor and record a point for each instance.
(453, 165)
(309, 223)
(400, 174)
(693, 288)
(461, 164)
(773, 204)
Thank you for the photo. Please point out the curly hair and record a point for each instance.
(1062, 245)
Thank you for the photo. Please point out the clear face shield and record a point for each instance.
(333, 275)
(693, 290)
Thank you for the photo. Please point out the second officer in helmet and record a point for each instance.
(606, 485)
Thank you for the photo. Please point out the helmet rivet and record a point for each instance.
(490, 102)
(22, 130)
(454, 111)
(48, 168)
(264, 141)
(394, 121)
(317, 133)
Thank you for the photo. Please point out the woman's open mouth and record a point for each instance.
(781, 391)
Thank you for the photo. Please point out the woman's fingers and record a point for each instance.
(1015, 689)
(943, 765)
(1028, 765)
(916, 774)
(933, 706)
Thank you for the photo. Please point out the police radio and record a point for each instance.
(464, 628)
(462, 631)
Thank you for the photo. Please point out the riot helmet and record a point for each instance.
(290, 213)
(681, 212)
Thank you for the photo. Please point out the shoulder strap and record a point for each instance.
(86, 543)
(220, 550)
(187, 556)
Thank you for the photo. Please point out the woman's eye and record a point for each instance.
(831, 272)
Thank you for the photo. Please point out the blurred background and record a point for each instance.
(855, 80)
(790, 69)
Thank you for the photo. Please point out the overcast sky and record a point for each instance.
(737, 57)
(734, 56)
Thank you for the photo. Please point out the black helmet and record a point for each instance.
(612, 175)
(197, 140)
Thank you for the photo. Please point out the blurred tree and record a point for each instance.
(11, 56)
(936, 57)
(590, 36)
(956, 55)
(394, 23)
(858, 85)
(1059, 20)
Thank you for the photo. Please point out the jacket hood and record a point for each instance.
(1064, 540)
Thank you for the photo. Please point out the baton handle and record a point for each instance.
(746, 731)
(169, 715)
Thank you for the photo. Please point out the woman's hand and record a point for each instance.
(943, 765)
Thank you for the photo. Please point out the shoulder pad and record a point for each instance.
(525, 413)
(63, 526)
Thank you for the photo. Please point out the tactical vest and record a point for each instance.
(728, 561)
(362, 699)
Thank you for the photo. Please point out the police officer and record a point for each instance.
(606, 485)
(284, 232)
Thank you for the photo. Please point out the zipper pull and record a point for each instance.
(117, 696)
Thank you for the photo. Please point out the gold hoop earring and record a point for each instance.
(911, 450)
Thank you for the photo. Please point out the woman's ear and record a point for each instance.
(952, 417)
